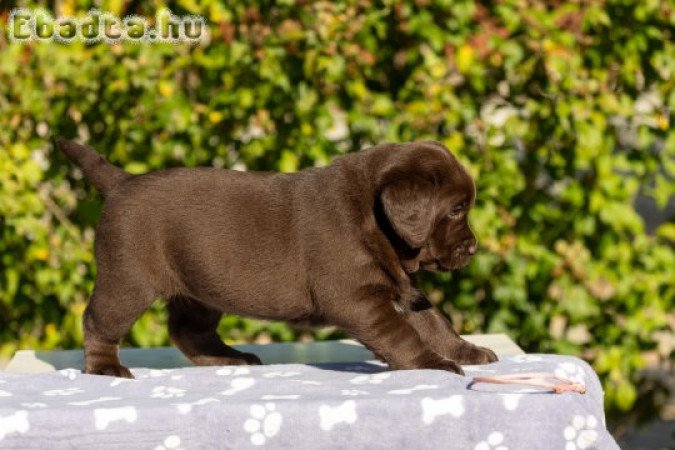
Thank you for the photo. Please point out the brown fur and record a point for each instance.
(337, 245)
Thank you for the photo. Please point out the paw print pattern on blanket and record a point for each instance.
(334, 415)
(263, 424)
(167, 392)
(571, 371)
(453, 405)
(71, 374)
(493, 441)
(581, 433)
(375, 378)
(233, 371)
(239, 384)
(160, 373)
(14, 423)
(171, 442)
(511, 401)
(118, 381)
(155, 373)
(105, 416)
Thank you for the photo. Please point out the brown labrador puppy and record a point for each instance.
(336, 245)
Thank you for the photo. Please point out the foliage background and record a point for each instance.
(562, 110)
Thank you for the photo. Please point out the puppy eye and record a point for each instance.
(455, 212)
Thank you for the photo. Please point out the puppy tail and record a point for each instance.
(97, 171)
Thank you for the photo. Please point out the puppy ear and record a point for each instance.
(409, 206)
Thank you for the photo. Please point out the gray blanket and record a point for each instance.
(360, 405)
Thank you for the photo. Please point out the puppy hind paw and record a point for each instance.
(251, 359)
(112, 370)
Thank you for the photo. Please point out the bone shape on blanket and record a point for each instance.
(453, 405)
(334, 415)
(105, 416)
(14, 423)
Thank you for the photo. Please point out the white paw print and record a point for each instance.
(239, 384)
(263, 424)
(580, 434)
(118, 381)
(172, 441)
(167, 392)
(71, 374)
(511, 401)
(155, 373)
(228, 371)
(493, 441)
(376, 378)
(525, 358)
(570, 371)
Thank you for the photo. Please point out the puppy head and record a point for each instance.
(425, 199)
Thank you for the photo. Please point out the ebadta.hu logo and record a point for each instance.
(98, 26)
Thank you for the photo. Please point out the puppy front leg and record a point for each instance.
(377, 325)
(437, 333)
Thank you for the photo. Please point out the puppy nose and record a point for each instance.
(473, 246)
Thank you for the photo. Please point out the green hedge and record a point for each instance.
(562, 111)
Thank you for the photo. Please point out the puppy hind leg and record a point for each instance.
(192, 327)
(111, 312)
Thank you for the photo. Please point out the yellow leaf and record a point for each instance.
(50, 329)
(67, 8)
(288, 162)
(662, 121)
(165, 88)
(465, 57)
(41, 254)
(215, 116)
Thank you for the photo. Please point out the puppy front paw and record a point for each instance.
(434, 361)
(238, 359)
(450, 366)
(470, 354)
